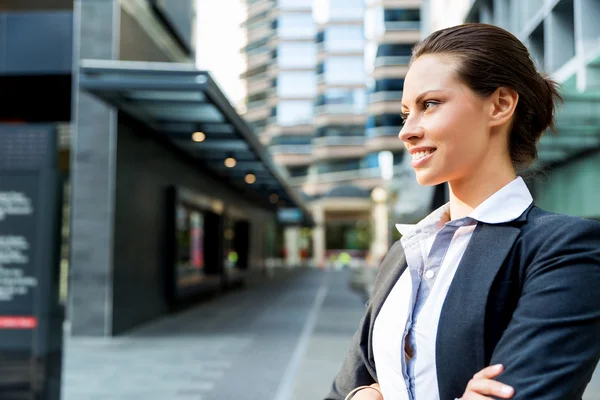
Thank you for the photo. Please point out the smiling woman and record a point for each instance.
(489, 296)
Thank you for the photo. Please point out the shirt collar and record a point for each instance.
(506, 205)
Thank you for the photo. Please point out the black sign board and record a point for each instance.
(30, 313)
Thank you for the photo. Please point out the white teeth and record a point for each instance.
(421, 154)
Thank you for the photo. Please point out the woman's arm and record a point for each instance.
(551, 346)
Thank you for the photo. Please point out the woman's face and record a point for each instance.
(446, 128)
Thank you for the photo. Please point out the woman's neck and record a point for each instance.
(468, 193)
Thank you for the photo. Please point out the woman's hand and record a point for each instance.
(369, 394)
(483, 384)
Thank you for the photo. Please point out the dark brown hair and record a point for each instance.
(491, 57)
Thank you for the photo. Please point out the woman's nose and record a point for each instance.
(410, 133)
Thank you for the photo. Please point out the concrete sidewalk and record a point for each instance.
(277, 340)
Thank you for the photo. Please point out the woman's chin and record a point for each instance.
(426, 178)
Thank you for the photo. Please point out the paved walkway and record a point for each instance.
(282, 339)
(279, 340)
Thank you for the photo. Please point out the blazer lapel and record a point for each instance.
(460, 337)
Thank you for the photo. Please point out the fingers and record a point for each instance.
(484, 386)
(489, 372)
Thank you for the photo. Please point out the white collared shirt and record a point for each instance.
(411, 312)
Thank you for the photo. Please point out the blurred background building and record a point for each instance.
(324, 82)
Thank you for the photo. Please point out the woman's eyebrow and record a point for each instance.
(420, 96)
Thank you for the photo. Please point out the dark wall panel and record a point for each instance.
(36, 42)
(136, 45)
(145, 169)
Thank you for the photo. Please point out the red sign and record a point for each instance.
(14, 322)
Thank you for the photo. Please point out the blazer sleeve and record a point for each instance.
(356, 369)
(552, 343)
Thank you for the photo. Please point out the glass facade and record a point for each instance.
(298, 55)
(343, 96)
(296, 26)
(296, 84)
(295, 139)
(294, 112)
(339, 130)
(344, 70)
(344, 38)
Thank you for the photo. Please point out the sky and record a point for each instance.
(218, 42)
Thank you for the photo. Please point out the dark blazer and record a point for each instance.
(526, 295)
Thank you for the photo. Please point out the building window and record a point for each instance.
(345, 70)
(296, 25)
(296, 84)
(294, 4)
(344, 38)
(294, 112)
(394, 50)
(298, 171)
(340, 130)
(336, 166)
(299, 55)
(389, 85)
(378, 121)
(287, 140)
(343, 96)
(402, 15)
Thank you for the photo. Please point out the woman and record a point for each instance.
(489, 296)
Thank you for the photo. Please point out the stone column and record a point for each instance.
(93, 165)
(292, 246)
(380, 244)
(319, 236)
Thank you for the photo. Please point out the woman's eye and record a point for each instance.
(404, 117)
(429, 104)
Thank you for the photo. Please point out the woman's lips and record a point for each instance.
(420, 158)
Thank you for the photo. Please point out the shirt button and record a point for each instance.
(429, 274)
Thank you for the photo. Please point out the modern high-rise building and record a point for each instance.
(324, 89)
(563, 37)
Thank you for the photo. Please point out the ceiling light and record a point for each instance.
(250, 179)
(230, 162)
(198, 137)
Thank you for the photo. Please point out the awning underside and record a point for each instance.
(177, 100)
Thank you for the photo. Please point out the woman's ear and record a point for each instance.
(503, 104)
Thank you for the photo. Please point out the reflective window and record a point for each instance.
(389, 85)
(296, 25)
(297, 84)
(340, 130)
(343, 96)
(294, 112)
(344, 70)
(294, 4)
(344, 4)
(297, 55)
(298, 171)
(344, 38)
(336, 166)
(384, 120)
(401, 14)
(393, 50)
